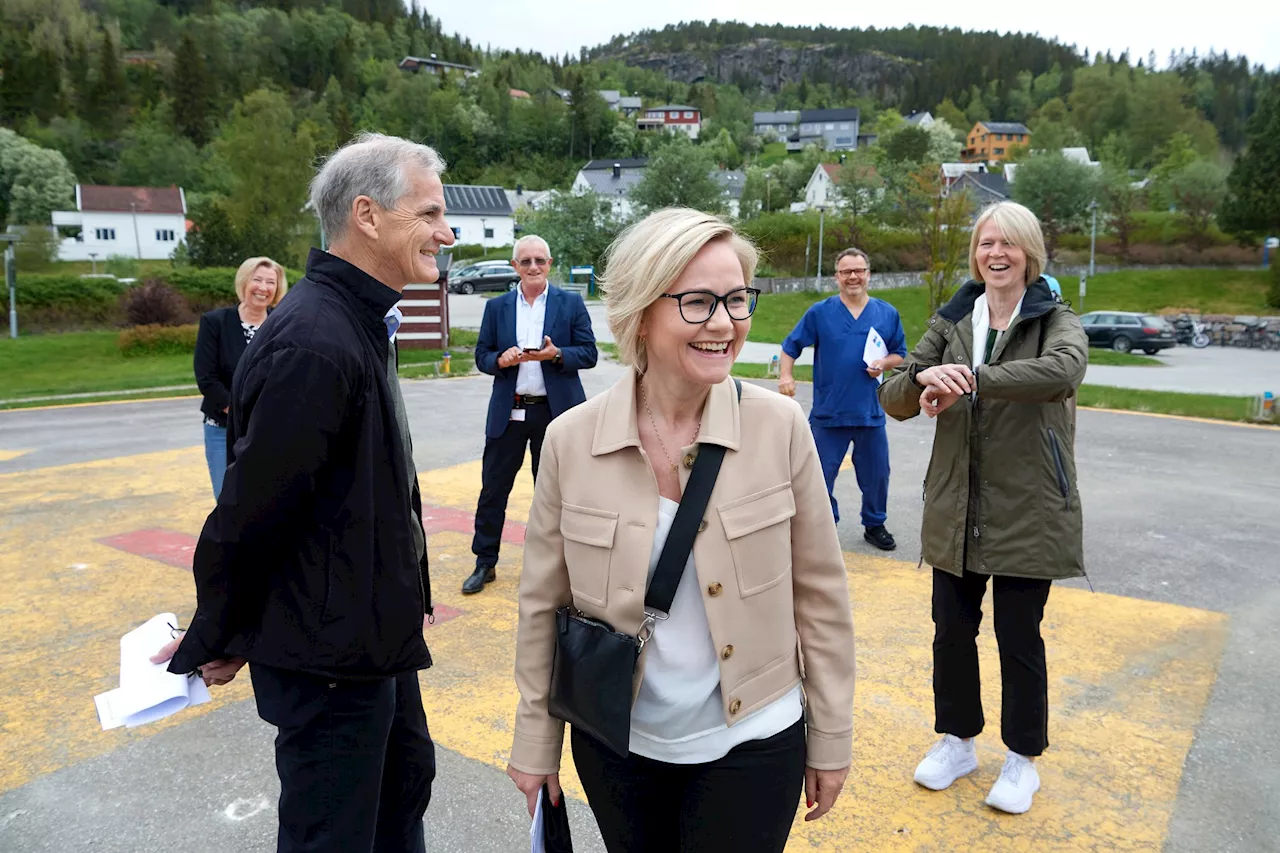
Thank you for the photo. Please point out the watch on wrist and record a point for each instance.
(556, 359)
(913, 371)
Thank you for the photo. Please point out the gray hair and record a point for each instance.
(853, 253)
(525, 240)
(373, 165)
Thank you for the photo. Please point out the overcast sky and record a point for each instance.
(559, 26)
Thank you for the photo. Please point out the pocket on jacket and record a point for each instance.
(588, 545)
(758, 528)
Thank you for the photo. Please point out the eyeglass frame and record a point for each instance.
(753, 292)
(847, 273)
(525, 263)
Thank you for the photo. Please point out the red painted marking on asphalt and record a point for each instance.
(166, 546)
(439, 519)
(443, 613)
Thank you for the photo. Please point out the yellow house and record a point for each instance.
(991, 141)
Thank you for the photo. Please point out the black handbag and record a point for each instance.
(593, 671)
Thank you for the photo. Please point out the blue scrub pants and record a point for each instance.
(870, 464)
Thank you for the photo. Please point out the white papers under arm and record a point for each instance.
(147, 691)
(874, 349)
(536, 844)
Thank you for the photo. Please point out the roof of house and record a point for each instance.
(731, 181)
(841, 114)
(518, 93)
(1079, 155)
(624, 162)
(987, 184)
(923, 118)
(1004, 126)
(673, 107)
(630, 102)
(102, 199)
(952, 171)
(611, 96)
(464, 200)
(524, 198)
(414, 62)
(604, 183)
(780, 117)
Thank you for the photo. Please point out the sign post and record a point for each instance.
(11, 281)
(1084, 285)
(589, 272)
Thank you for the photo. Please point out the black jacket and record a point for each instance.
(308, 561)
(220, 344)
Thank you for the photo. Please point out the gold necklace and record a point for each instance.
(644, 398)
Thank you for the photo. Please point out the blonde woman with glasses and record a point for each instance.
(729, 580)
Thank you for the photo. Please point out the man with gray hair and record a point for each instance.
(533, 340)
(313, 565)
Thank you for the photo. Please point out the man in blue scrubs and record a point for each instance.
(846, 409)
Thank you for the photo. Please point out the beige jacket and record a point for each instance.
(768, 561)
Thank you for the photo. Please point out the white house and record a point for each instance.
(823, 189)
(480, 215)
(147, 223)
(612, 179)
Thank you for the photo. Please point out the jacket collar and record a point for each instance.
(374, 296)
(1037, 301)
(618, 426)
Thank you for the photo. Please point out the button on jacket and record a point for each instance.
(309, 562)
(768, 560)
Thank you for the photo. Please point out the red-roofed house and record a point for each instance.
(138, 222)
(823, 189)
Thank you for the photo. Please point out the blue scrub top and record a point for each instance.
(844, 394)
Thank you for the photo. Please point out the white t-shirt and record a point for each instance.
(678, 716)
(529, 322)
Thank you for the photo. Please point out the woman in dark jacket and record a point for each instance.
(997, 367)
(224, 335)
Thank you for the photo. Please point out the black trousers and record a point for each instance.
(355, 760)
(503, 458)
(746, 800)
(1024, 678)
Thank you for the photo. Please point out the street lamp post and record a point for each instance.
(1093, 233)
(11, 279)
(822, 211)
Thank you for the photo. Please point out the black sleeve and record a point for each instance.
(208, 349)
(296, 402)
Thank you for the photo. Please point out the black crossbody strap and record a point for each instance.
(675, 553)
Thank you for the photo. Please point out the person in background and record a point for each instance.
(845, 409)
(313, 566)
(533, 341)
(996, 368)
(221, 341)
(721, 740)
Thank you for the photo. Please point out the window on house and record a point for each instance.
(105, 233)
(488, 233)
(688, 114)
(164, 235)
(457, 233)
(830, 126)
(984, 137)
(999, 151)
(844, 125)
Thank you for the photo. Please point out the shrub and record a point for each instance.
(122, 266)
(158, 340)
(155, 304)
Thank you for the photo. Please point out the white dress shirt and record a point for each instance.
(529, 334)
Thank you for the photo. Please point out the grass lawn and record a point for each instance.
(801, 372)
(1208, 291)
(770, 154)
(1111, 358)
(1168, 403)
(84, 362)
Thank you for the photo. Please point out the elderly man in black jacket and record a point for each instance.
(313, 565)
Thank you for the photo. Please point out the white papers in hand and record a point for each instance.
(875, 349)
(536, 842)
(147, 691)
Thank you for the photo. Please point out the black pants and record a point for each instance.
(744, 801)
(1024, 678)
(503, 458)
(355, 760)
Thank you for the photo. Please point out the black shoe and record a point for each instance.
(880, 537)
(481, 576)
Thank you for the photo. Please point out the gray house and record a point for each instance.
(834, 130)
(780, 124)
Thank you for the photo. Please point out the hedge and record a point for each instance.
(158, 340)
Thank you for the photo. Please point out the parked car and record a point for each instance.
(483, 276)
(1123, 331)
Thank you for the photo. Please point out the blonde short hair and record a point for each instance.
(646, 258)
(249, 267)
(1020, 228)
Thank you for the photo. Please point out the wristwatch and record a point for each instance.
(912, 371)
(556, 359)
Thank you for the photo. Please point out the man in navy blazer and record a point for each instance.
(533, 341)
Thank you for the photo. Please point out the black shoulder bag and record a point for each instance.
(593, 671)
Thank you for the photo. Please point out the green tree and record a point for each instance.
(34, 181)
(941, 223)
(1252, 207)
(859, 184)
(213, 240)
(1121, 201)
(952, 115)
(679, 174)
(908, 144)
(944, 144)
(1175, 155)
(192, 89)
(153, 155)
(1197, 191)
(107, 93)
(1057, 190)
(722, 149)
(578, 227)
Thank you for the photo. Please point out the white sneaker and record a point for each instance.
(949, 759)
(1016, 786)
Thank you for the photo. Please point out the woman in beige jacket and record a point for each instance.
(746, 691)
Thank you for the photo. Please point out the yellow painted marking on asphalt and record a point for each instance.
(1189, 418)
(101, 403)
(1129, 679)
(6, 455)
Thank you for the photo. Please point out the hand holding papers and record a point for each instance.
(147, 691)
(874, 350)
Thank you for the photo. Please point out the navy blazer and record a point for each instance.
(220, 344)
(568, 325)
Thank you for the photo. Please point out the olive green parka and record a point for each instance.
(1000, 495)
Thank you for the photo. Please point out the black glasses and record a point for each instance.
(541, 262)
(697, 306)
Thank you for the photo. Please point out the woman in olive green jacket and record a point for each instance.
(996, 368)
